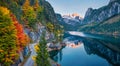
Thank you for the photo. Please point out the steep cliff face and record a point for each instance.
(103, 13)
(49, 11)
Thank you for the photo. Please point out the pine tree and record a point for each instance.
(42, 57)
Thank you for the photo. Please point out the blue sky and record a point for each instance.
(76, 6)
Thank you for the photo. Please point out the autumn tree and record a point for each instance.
(8, 38)
(50, 27)
(36, 5)
(22, 38)
(29, 15)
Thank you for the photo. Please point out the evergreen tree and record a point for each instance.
(42, 57)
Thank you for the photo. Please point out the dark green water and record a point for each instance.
(89, 50)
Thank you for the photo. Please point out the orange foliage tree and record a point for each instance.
(22, 38)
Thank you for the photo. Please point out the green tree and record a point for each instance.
(42, 54)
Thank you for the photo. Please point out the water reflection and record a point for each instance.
(105, 49)
(56, 55)
(102, 49)
(74, 45)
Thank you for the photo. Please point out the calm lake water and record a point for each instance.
(89, 50)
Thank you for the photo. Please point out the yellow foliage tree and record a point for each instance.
(7, 38)
(50, 27)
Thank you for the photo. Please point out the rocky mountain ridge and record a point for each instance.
(103, 13)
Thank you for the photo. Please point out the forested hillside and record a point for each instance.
(109, 26)
(21, 23)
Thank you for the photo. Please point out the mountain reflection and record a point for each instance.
(102, 49)
(74, 45)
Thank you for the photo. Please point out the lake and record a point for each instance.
(84, 49)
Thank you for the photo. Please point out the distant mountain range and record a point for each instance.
(105, 20)
(73, 16)
(72, 19)
(70, 22)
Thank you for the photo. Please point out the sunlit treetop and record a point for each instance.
(4, 10)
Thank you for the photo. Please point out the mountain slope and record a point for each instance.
(20, 19)
(32, 26)
(101, 14)
(109, 26)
